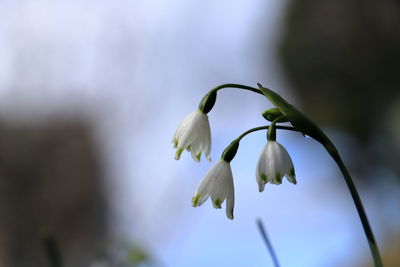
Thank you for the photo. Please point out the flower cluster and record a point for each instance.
(274, 163)
(194, 135)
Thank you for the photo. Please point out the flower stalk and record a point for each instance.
(308, 127)
(218, 182)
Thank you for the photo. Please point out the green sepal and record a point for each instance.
(208, 102)
(273, 114)
(230, 152)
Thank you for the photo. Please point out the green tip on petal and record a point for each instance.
(175, 142)
(195, 200)
(264, 178)
(292, 173)
(217, 203)
(278, 178)
(198, 155)
(188, 148)
(230, 215)
(178, 153)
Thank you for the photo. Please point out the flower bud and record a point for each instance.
(273, 114)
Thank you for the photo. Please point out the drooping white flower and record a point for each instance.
(273, 164)
(193, 134)
(217, 183)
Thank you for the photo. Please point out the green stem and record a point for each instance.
(208, 101)
(230, 151)
(360, 209)
(308, 127)
(281, 127)
(239, 86)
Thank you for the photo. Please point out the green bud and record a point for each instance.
(230, 152)
(208, 101)
(274, 114)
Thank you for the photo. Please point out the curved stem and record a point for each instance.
(281, 127)
(303, 124)
(208, 101)
(360, 209)
(307, 126)
(230, 151)
(239, 86)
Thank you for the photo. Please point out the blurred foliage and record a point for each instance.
(138, 256)
(342, 59)
(119, 253)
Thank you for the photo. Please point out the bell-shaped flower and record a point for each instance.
(193, 134)
(274, 163)
(217, 183)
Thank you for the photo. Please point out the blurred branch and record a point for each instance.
(267, 242)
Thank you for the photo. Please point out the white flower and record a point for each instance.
(194, 135)
(274, 163)
(217, 183)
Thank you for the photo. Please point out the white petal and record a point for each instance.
(230, 203)
(194, 135)
(287, 165)
(275, 163)
(261, 170)
(274, 172)
(184, 125)
(222, 184)
(207, 183)
(217, 183)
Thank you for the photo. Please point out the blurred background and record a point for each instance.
(91, 93)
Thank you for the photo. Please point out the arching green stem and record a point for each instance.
(230, 152)
(305, 125)
(360, 209)
(281, 127)
(208, 101)
(238, 86)
(302, 123)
